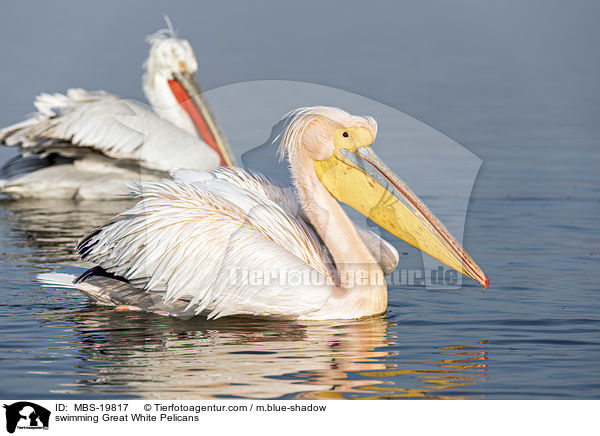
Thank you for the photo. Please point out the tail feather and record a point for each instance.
(58, 280)
(67, 281)
(107, 291)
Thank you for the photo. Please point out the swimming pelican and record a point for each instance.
(87, 144)
(180, 250)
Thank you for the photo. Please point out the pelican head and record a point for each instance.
(170, 55)
(335, 146)
(172, 89)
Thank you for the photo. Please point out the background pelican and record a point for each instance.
(87, 144)
(178, 250)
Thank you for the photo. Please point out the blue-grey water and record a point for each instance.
(516, 83)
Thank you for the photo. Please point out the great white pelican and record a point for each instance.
(180, 249)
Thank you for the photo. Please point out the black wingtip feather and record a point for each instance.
(86, 245)
(20, 164)
(98, 271)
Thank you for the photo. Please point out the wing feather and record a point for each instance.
(199, 242)
(83, 121)
(250, 181)
(384, 252)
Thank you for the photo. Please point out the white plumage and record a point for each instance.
(193, 242)
(231, 242)
(129, 140)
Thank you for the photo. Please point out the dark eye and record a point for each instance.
(345, 134)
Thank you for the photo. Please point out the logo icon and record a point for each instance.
(26, 415)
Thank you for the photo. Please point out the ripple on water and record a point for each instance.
(526, 337)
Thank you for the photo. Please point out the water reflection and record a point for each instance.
(456, 366)
(153, 357)
(51, 227)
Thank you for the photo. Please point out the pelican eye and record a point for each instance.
(345, 134)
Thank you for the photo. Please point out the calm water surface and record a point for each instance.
(528, 336)
(515, 83)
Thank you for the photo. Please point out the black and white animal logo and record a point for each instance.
(26, 415)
